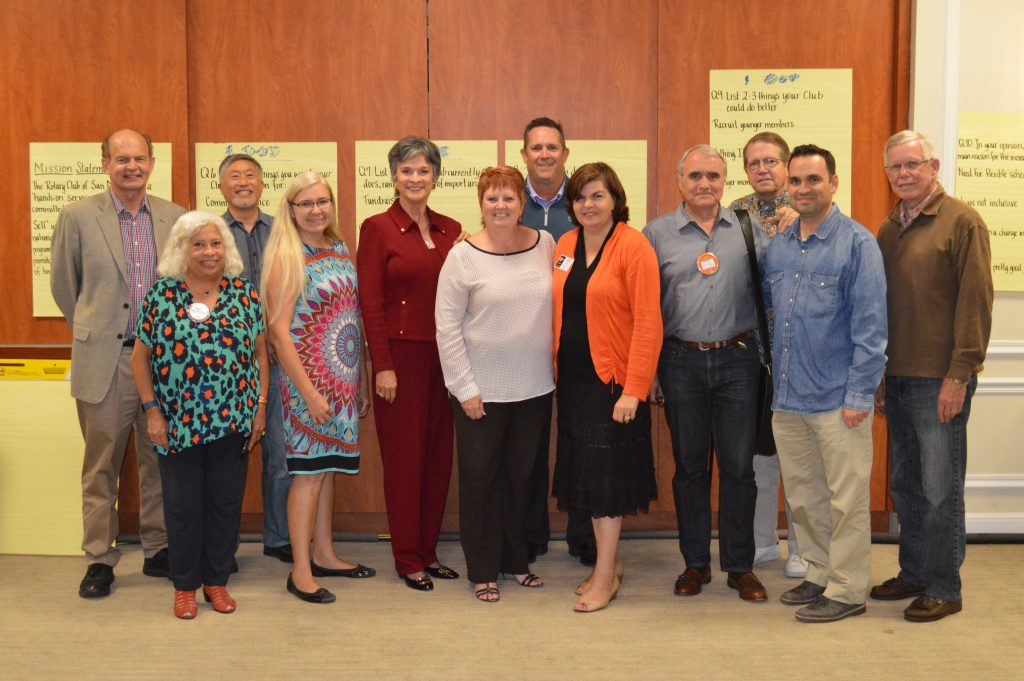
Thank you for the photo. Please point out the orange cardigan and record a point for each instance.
(623, 308)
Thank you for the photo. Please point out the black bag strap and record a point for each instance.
(762, 318)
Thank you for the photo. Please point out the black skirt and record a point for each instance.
(602, 468)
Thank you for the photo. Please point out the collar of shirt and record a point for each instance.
(824, 230)
(725, 217)
(405, 223)
(235, 223)
(119, 207)
(546, 203)
(909, 213)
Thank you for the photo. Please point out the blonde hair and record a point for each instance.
(284, 247)
(174, 259)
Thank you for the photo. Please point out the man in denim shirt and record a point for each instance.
(825, 280)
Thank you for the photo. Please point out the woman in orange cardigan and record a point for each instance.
(607, 331)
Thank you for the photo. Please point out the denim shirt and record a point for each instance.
(828, 293)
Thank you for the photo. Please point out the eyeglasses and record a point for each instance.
(910, 166)
(768, 163)
(308, 205)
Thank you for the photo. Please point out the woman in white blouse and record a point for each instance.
(493, 315)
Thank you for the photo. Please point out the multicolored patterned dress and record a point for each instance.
(325, 331)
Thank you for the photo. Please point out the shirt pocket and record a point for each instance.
(775, 285)
(822, 288)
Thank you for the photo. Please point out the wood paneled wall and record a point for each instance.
(191, 71)
(312, 71)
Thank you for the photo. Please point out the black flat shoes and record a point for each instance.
(358, 572)
(321, 595)
(442, 572)
(419, 584)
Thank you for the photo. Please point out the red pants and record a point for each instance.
(415, 434)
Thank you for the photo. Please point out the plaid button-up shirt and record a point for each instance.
(139, 256)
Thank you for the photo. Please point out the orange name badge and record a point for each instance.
(707, 264)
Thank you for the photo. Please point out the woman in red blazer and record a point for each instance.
(398, 262)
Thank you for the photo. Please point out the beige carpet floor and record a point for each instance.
(379, 629)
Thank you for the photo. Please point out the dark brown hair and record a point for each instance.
(592, 172)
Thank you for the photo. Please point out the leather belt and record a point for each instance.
(734, 342)
(128, 343)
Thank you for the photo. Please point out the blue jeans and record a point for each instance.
(927, 464)
(276, 481)
(711, 397)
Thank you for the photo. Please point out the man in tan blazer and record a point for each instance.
(103, 262)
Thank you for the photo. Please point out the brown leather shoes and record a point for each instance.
(895, 589)
(689, 583)
(749, 586)
(928, 609)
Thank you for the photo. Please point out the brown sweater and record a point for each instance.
(939, 273)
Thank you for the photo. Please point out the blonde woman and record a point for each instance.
(309, 284)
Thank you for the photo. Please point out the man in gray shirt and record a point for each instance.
(709, 370)
(241, 184)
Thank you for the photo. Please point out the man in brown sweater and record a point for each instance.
(938, 266)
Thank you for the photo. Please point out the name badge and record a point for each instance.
(198, 312)
(707, 264)
(564, 263)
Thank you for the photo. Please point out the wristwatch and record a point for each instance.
(151, 403)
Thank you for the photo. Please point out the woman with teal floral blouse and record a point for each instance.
(200, 362)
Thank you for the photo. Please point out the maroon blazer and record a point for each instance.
(398, 278)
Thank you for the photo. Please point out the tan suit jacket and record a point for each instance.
(89, 281)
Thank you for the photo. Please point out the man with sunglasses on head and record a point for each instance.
(939, 269)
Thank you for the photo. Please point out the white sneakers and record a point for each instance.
(796, 567)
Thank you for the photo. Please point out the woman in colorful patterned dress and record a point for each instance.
(313, 314)
(200, 362)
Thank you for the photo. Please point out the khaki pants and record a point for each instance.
(105, 427)
(827, 469)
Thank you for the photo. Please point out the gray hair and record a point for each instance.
(706, 150)
(411, 147)
(904, 136)
(174, 259)
(231, 158)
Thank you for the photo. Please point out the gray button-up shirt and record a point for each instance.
(251, 244)
(696, 307)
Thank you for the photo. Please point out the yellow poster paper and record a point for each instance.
(63, 172)
(627, 157)
(281, 161)
(804, 106)
(40, 460)
(454, 194)
(990, 177)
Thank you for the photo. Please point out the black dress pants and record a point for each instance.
(496, 456)
(203, 489)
